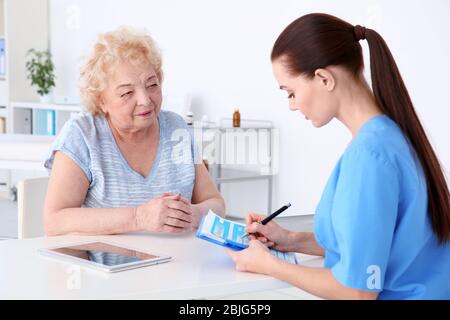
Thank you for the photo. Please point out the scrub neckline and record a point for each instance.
(366, 125)
(370, 121)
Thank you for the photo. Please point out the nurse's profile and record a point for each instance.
(383, 221)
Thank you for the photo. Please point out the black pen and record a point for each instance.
(268, 218)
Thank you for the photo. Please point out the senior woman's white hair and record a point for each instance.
(122, 45)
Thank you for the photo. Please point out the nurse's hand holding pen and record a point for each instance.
(271, 234)
(257, 258)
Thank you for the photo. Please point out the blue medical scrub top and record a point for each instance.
(372, 219)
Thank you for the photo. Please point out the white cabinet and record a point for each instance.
(23, 25)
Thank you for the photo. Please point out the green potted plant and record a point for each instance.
(40, 71)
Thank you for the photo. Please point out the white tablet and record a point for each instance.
(105, 256)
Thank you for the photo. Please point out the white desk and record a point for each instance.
(199, 270)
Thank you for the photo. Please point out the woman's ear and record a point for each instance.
(326, 78)
(101, 104)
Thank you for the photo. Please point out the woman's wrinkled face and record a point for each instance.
(311, 97)
(132, 98)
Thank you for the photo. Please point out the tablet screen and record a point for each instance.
(104, 253)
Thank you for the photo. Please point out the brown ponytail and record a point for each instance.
(318, 40)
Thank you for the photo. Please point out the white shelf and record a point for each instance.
(51, 106)
(222, 173)
(25, 114)
(227, 123)
(234, 175)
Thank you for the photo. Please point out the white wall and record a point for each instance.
(2, 19)
(219, 52)
(26, 28)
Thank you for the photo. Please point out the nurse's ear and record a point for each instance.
(325, 78)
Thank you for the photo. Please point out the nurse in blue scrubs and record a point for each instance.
(383, 222)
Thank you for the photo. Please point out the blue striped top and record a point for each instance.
(89, 142)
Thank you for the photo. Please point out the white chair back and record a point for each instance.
(30, 204)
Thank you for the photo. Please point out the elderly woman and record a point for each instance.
(121, 166)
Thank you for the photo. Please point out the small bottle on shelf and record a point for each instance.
(236, 119)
